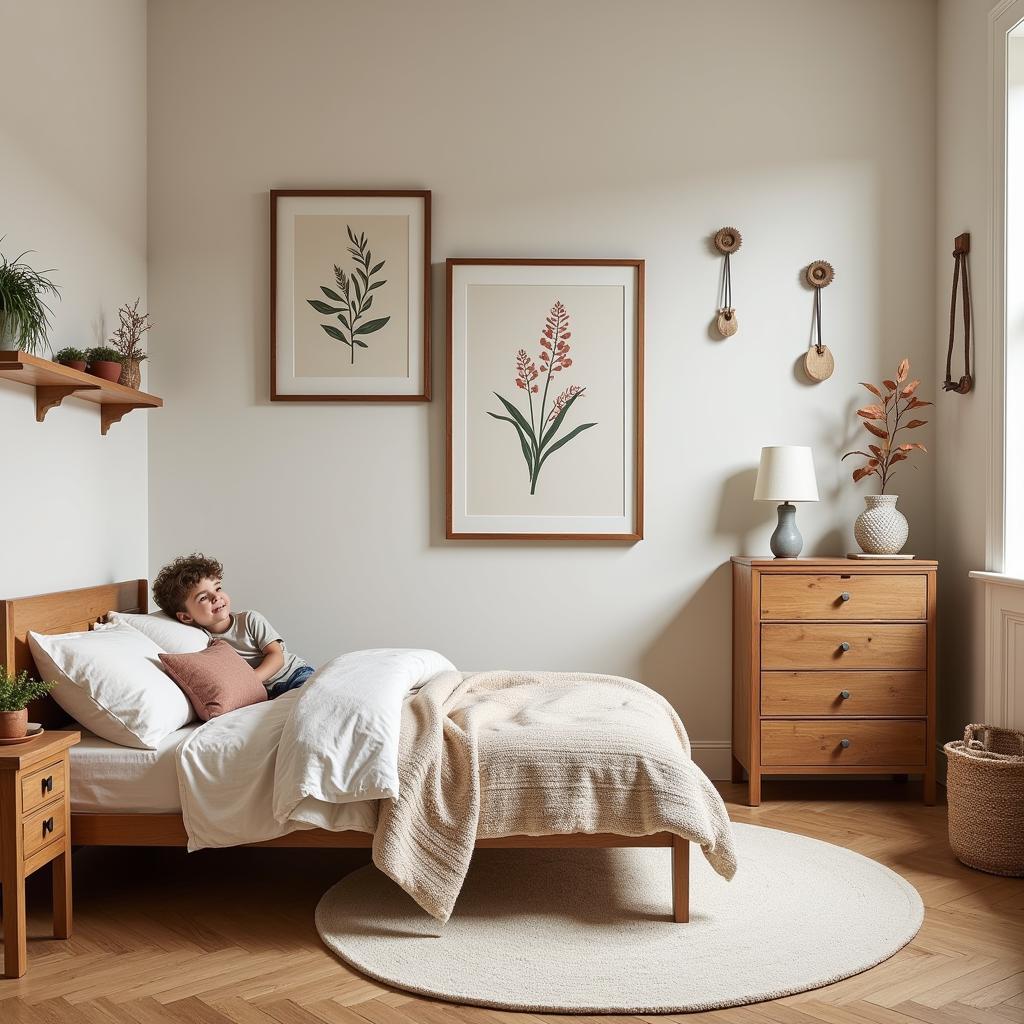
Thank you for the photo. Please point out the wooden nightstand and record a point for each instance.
(35, 828)
(833, 668)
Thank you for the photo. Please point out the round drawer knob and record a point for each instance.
(844, 743)
(844, 596)
(845, 694)
(844, 646)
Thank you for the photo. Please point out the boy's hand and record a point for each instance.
(273, 659)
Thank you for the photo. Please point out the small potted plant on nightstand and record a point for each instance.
(24, 314)
(16, 693)
(104, 362)
(73, 357)
(127, 340)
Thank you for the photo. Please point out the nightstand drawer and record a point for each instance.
(790, 645)
(42, 785)
(842, 596)
(844, 694)
(829, 743)
(43, 827)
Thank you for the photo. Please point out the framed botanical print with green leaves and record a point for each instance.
(545, 399)
(350, 296)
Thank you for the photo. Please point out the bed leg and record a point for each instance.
(680, 880)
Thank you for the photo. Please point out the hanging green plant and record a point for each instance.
(24, 314)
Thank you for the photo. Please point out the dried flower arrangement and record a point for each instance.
(127, 339)
(885, 421)
(537, 442)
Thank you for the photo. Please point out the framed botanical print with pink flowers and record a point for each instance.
(545, 399)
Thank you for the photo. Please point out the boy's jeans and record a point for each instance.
(293, 682)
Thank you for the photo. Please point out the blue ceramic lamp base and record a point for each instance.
(786, 540)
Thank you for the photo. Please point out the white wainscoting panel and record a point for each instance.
(1004, 649)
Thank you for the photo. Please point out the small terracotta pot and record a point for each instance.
(13, 724)
(105, 368)
(75, 364)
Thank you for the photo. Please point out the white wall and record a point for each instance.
(73, 188)
(963, 422)
(809, 126)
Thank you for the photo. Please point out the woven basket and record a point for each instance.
(985, 785)
(131, 374)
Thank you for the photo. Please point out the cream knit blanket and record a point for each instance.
(537, 753)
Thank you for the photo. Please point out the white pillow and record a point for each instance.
(168, 634)
(110, 681)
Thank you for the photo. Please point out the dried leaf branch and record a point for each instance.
(885, 421)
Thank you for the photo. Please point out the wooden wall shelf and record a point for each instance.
(54, 382)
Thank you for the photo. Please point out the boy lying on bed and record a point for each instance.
(189, 590)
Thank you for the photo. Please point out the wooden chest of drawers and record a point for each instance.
(833, 668)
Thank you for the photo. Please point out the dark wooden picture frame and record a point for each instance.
(631, 535)
(423, 392)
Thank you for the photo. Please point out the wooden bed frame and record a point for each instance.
(72, 610)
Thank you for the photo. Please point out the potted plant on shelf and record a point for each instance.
(104, 362)
(16, 693)
(73, 357)
(127, 339)
(881, 529)
(24, 314)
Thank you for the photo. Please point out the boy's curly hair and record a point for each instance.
(174, 581)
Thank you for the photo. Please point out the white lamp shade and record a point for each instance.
(786, 473)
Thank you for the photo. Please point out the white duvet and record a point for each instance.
(317, 757)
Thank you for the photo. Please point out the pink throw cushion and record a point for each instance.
(216, 681)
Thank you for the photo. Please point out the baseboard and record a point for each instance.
(713, 758)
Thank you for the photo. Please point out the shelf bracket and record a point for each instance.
(49, 396)
(113, 413)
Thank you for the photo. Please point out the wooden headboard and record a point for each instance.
(66, 611)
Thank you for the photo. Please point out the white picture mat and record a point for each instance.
(464, 275)
(288, 207)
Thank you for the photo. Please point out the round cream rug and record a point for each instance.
(588, 931)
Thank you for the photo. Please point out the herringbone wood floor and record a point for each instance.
(228, 936)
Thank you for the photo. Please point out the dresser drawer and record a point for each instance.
(43, 784)
(820, 743)
(43, 827)
(840, 645)
(842, 596)
(886, 694)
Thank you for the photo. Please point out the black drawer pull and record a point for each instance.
(844, 596)
(47, 826)
(48, 784)
(844, 743)
(845, 694)
(844, 646)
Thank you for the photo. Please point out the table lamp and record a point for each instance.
(786, 474)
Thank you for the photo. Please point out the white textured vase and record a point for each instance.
(881, 529)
